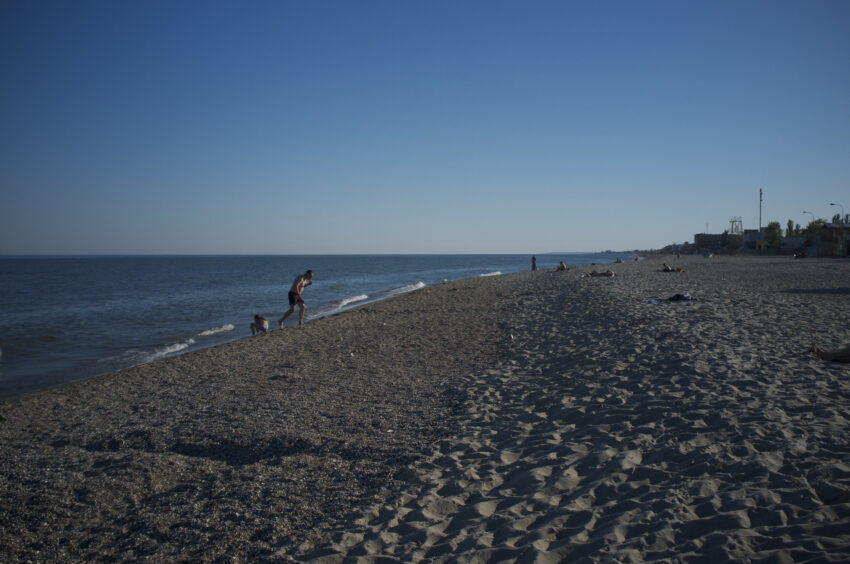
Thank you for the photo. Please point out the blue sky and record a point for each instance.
(405, 127)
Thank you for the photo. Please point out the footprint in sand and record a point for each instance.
(631, 459)
(542, 472)
(509, 457)
(569, 481)
(351, 539)
(486, 508)
(439, 509)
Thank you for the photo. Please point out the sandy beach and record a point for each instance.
(534, 417)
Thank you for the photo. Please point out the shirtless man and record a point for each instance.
(301, 282)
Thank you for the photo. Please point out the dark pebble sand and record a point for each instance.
(246, 449)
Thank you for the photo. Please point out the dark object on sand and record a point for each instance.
(838, 355)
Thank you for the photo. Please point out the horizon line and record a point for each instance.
(424, 253)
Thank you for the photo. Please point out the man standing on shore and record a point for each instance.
(301, 282)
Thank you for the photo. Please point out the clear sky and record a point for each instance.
(415, 126)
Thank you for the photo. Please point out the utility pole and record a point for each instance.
(760, 200)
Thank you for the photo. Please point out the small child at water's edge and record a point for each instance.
(260, 325)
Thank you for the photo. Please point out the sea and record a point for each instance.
(69, 318)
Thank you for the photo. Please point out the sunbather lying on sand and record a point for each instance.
(667, 268)
(838, 355)
(594, 273)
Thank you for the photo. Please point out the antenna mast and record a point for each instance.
(736, 226)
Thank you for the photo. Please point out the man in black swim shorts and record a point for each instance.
(295, 299)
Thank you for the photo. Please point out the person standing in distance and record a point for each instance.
(301, 282)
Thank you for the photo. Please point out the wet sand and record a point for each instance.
(541, 416)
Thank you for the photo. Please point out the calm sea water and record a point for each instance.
(67, 318)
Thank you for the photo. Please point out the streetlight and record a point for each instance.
(840, 219)
(811, 214)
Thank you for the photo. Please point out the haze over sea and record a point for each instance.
(68, 318)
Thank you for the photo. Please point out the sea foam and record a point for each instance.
(497, 273)
(171, 349)
(217, 330)
(167, 350)
(348, 301)
(408, 288)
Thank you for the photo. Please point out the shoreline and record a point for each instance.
(329, 413)
(532, 415)
(29, 368)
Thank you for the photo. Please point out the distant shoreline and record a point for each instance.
(214, 255)
(81, 292)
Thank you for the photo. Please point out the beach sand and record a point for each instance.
(534, 417)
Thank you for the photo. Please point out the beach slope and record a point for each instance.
(542, 416)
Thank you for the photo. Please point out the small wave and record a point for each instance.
(408, 288)
(497, 273)
(135, 357)
(348, 301)
(165, 351)
(216, 330)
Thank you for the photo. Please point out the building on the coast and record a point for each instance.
(752, 237)
(708, 242)
(834, 240)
